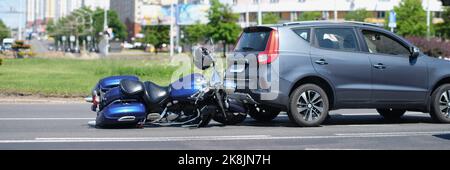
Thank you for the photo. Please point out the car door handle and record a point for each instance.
(321, 62)
(379, 66)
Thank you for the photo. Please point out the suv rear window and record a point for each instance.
(303, 33)
(343, 39)
(253, 41)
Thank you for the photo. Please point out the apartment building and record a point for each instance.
(39, 12)
(291, 10)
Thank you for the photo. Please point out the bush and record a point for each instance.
(1, 61)
(434, 47)
(26, 54)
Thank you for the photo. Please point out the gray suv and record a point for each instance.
(310, 68)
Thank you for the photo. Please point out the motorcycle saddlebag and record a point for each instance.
(108, 83)
(117, 114)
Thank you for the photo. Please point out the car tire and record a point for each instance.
(440, 104)
(233, 118)
(391, 114)
(308, 106)
(263, 113)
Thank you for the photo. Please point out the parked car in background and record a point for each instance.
(7, 44)
(322, 66)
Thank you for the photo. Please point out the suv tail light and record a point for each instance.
(271, 53)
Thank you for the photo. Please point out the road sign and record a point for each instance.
(72, 38)
(392, 19)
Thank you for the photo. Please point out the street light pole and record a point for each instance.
(21, 21)
(172, 14)
(335, 11)
(428, 19)
(105, 27)
(259, 13)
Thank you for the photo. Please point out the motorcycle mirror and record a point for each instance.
(202, 58)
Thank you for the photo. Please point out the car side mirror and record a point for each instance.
(415, 52)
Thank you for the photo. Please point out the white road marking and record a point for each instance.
(393, 133)
(374, 113)
(222, 138)
(52, 118)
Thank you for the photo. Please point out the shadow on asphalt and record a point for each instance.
(334, 120)
(283, 121)
(443, 136)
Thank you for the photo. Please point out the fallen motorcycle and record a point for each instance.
(192, 100)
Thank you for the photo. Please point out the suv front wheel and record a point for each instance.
(308, 106)
(440, 104)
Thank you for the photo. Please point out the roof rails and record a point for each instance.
(331, 22)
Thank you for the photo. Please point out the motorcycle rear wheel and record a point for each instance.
(233, 118)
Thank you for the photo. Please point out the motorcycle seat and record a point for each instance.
(155, 94)
(131, 87)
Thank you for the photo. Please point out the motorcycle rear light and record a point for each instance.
(272, 49)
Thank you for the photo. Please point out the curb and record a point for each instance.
(16, 100)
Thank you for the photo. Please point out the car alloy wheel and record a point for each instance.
(310, 105)
(444, 103)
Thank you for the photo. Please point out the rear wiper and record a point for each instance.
(248, 48)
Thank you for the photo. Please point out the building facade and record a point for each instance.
(291, 10)
(39, 12)
(137, 13)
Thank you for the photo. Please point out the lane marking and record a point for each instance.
(222, 138)
(371, 114)
(52, 118)
(392, 133)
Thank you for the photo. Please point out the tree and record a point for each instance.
(156, 35)
(411, 18)
(308, 16)
(51, 26)
(195, 33)
(118, 27)
(444, 28)
(222, 24)
(270, 18)
(4, 31)
(358, 15)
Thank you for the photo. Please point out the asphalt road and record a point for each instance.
(65, 126)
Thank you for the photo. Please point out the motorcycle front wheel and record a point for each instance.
(206, 115)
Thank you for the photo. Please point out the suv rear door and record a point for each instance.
(335, 56)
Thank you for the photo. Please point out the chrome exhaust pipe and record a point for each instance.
(127, 119)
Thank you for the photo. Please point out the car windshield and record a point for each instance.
(253, 41)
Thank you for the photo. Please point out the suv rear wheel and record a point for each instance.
(440, 104)
(308, 106)
(391, 114)
(263, 113)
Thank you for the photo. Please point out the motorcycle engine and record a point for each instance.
(172, 116)
(153, 116)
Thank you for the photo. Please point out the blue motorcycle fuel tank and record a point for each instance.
(187, 86)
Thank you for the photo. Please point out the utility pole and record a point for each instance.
(335, 11)
(20, 21)
(428, 19)
(259, 13)
(172, 14)
(247, 19)
(177, 26)
(105, 27)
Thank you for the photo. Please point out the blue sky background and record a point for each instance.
(11, 20)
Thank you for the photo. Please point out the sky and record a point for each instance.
(11, 20)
